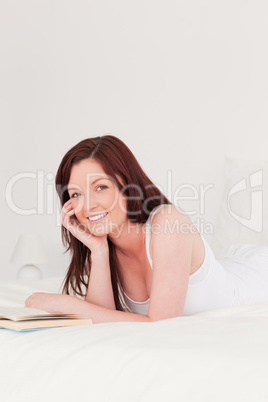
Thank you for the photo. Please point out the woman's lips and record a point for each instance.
(97, 218)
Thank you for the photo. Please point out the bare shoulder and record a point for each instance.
(174, 218)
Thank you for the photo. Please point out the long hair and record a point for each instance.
(142, 197)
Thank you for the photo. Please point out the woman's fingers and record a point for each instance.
(66, 207)
(73, 225)
(71, 212)
(66, 212)
(78, 230)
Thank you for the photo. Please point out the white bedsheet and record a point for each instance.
(220, 355)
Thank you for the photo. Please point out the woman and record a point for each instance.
(139, 257)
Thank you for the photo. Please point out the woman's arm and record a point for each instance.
(67, 304)
(171, 250)
(100, 291)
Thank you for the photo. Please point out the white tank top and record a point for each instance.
(238, 276)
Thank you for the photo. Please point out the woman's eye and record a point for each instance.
(100, 188)
(75, 195)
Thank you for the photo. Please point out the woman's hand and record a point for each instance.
(42, 301)
(71, 223)
(57, 303)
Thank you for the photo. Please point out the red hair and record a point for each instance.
(142, 196)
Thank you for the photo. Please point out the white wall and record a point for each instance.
(182, 83)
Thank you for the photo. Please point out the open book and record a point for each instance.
(29, 319)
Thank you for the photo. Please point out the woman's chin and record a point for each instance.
(107, 228)
(100, 229)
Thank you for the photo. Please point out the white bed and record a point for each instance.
(221, 355)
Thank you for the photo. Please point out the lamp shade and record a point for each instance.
(29, 250)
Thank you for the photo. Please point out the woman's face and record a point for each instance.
(97, 202)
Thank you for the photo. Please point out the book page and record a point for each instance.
(20, 312)
(25, 313)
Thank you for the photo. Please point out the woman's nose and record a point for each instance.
(90, 203)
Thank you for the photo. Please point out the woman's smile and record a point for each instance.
(97, 218)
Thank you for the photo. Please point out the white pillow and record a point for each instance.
(243, 215)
